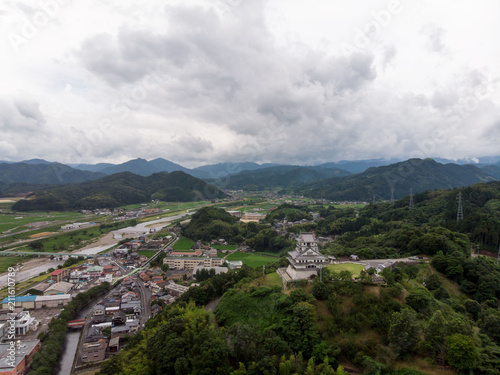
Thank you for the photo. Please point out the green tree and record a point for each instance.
(320, 290)
(462, 353)
(403, 333)
(435, 336)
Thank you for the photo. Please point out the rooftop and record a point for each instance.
(23, 349)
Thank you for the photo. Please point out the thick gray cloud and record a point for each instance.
(199, 82)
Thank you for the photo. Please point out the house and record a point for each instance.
(99, 310)
(22, 320)
(176, 289)
(305, 260)
(176, 274)
(61, 287)
(155, 309)
(119, 319)
(354, 257)
(58, 275)
(95, 271)
(94, 351)
(20, 361)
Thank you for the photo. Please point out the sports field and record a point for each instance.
(252, 259)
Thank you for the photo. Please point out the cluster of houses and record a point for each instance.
(120, 312)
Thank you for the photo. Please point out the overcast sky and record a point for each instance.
(286, 81)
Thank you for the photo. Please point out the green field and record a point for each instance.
(355, 269)
(6, 262)
(183, 243)
(19, 221)
(252, 259)
(148, 253)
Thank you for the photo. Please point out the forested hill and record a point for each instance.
(280, 176)
(50, 173)
(417, 174)
(122, 189)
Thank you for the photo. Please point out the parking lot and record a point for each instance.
(43, 316)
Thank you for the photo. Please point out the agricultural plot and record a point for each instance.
(252, 259)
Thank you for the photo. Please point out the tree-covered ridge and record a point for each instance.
(417, 174)
(122, 189)
(213, 223)
(371, 329)
(290, 213)
(285, 176)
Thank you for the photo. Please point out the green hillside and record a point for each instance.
(417, 174)
(280, 176)
(121, 189)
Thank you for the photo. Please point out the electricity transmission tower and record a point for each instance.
(460, 213)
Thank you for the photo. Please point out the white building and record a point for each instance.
(305, 260)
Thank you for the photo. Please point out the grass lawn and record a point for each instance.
(148, 253)
(183, 243)
(252, 260)
(355, 269)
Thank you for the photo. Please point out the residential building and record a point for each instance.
(58, 275)
(190, 263)
(176, 289)
(94, 351)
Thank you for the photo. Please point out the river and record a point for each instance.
(139, 229)
(72, 338)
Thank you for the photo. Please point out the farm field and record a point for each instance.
(20, 221)
(353, 268)
(252, 259)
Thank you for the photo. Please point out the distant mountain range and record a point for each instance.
(284, 176)
(343, 180)
(397, 180)
(121, 189)
(44, 173)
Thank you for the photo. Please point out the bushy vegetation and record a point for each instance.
(214, 223)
